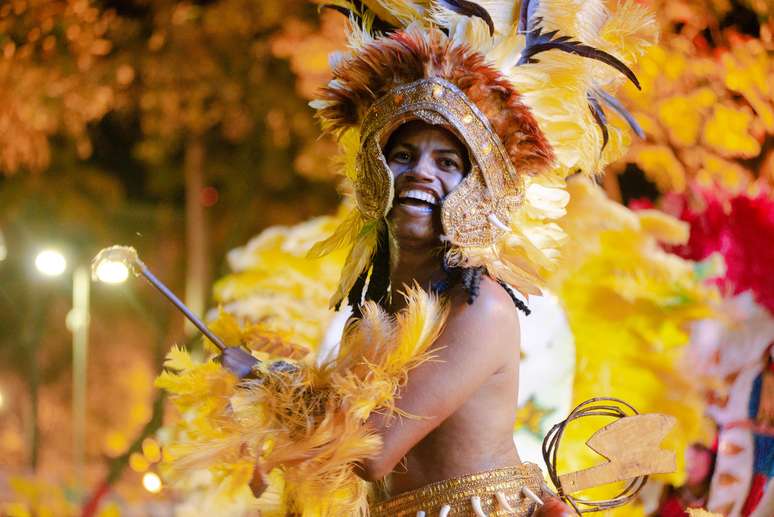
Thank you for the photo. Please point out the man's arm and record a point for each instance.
(478, 340)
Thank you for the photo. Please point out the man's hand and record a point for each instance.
(238, 361)
(553, 507)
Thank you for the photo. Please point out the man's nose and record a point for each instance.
(424, 170)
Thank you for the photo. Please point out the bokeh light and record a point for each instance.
(112, 272)
(50, 262)
(209, 196)
(138, 462)
(151, 450)
(152, 482)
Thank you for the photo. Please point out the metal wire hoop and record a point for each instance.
(600, 406)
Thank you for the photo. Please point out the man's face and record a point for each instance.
(427, 162)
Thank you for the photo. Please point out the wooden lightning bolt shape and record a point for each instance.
(632, 446)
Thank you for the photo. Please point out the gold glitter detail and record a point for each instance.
(492, 186)
(457, 493)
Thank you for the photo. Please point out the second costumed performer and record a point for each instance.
(457, 139)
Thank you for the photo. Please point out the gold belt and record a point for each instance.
(500, 492)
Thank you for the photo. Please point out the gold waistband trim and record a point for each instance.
(457, 494)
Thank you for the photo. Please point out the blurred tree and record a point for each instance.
(55, 77)
(124, 113)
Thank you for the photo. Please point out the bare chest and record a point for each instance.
(477, 437)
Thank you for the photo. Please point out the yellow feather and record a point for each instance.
(358, 260)
(398, 12)
(305, 425)
(345, 235)
(664, 228)
(417, 327)
(629, 31)
(365, 337)
(504, 14)
(178, 358)
(575, 18)
(629, 305)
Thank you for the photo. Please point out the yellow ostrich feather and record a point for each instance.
(378, 350)
(555, 88)
(580, 18)
(366, 337)
(360, 236)
(663, 227)
(629, 32)
(474, 31)
(275, 289)
(344, 235)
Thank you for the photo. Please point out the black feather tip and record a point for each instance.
(538, 42)
(600, 118)
(472, 9)
(378, 25)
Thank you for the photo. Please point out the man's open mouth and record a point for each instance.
(419, 199)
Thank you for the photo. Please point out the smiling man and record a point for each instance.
(428, 162)
(461, 406)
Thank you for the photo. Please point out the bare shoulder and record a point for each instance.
(493, 305)
(492, 317)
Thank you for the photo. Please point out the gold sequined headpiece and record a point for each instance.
(476, 212)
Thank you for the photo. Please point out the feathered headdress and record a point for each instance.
(521, 84)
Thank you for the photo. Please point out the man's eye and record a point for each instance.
(448, 163)
(401, 157)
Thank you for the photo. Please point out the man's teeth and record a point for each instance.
(419, 195)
